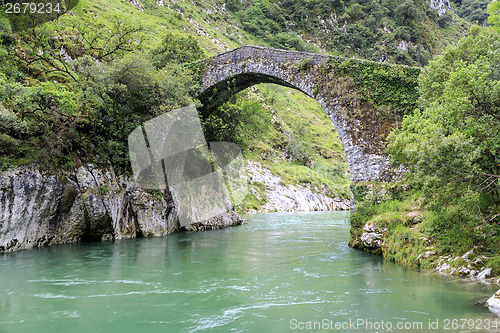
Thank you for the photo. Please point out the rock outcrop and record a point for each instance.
(40, 209)
(371, 240)
(289, 198)
(493, 303)
(441, 6)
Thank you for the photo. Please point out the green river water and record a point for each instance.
(280, 272)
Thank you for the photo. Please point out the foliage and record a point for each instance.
(122, 95)
(298, 153)
(238, 120)
(457, 131)
(406, 12)
(494, 15)
(372, 81)
(51, 47)
(107, 91)
(372, 29)
(474, 11)
(264, 19)
(233, 5)
(451, 146)
(177, 49)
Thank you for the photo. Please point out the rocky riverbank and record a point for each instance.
(41, 209)
(281, 197)
(379, 240)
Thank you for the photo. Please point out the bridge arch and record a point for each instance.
(362, 127)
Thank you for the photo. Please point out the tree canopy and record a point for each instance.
(451, 145)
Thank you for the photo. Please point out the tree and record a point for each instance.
(177, 49)
(494, 15)
(52, 47)
(119, 96)
(406, 12)
(452, 144)
(238, 120)
(233, 5)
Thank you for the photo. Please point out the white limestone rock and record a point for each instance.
(371, 239)
(493, 303)
(290, 198)
(484, 274)
(441, 6)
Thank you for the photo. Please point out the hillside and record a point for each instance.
(59, 88)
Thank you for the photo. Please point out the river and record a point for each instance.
(279, 272)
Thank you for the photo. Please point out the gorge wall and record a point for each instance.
(38, 209)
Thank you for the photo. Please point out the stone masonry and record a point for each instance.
(238, 69)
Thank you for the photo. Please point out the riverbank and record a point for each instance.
(399, 228)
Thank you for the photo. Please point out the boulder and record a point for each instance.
(493, 303)
(371, 239)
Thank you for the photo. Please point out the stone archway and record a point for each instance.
(362, 121)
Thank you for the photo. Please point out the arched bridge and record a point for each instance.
(364, 99)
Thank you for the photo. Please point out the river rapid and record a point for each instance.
(279, 272)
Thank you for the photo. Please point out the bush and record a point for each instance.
(298, 153)
(177, 49)
(445, 20)
(233, 5)
(406, 12)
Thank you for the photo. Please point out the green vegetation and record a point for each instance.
(473, 10)
(407, 32)
(288, 133)
(494, 15)
(372, 81)
(450, 147)
(72, 90)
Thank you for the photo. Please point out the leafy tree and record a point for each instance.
(239, 121)
(121, 95)
(288, 41)
(474, 11)
(263, 19)
(451, 145)
(233, 5)
(406, 12)
(51, 48)
(177, 49)
(494, 15)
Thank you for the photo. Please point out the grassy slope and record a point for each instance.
(301, 120)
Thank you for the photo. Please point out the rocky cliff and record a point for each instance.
(288, 198)
(40, 209)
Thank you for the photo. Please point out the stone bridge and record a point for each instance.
(364, 99)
